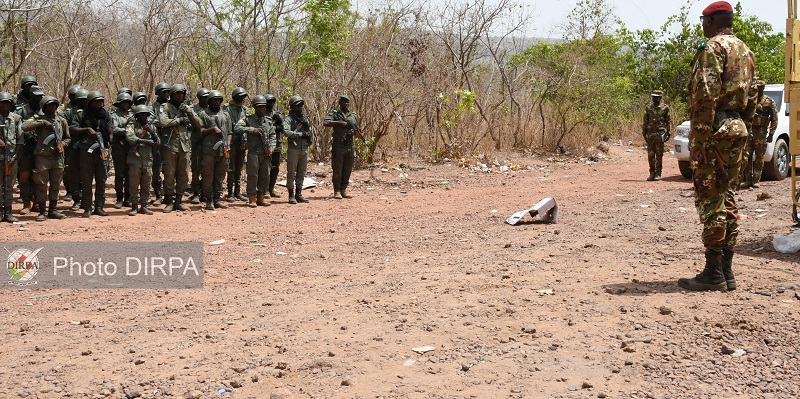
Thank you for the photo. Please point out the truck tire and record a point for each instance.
(778, 168)
(685, 168)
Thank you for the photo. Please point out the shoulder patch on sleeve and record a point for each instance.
(701, 45)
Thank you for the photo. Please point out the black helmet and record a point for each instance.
(239, 91)
(269, 97)
(122, 97)
(140, 109)
(124, 90)
(258, 100)
(47, 100)
(81, 93)
(73, 89)
(177, 88)
(6, 96)
(161, 86)
(203, 92)
(215, 94)
(27, 79)
(138, 96)
(36, 91)
(293, 100)
(95, 95)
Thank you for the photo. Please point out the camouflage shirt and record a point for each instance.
(11, 134)
(177, 123)
(657, 119)
(47, 139)
(719, 87)
(766, 113)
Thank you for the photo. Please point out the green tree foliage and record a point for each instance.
(769, 48)
(327, 32)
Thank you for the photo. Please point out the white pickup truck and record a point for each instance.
(776, 159)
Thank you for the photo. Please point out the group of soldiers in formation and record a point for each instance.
(156, 148)
(658, 122)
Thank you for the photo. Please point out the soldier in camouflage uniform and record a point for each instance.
(720, 106)
(260, 145)
(73, 173)
(121, 117)
(277, 121)
(93, 133)
(657, 122)
(300, 134)
(162, 96)
(51, 130)
(10, 146)
(66, 112)
(216, 130)
(24, 96)
(177, 122)
(27, 160)
(237, 112)
(197, 147)
(765, 122)
(143, 137)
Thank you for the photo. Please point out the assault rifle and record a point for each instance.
(174, 129)
(55, 136)
(6, 161)
(224, 142)
(354, 129)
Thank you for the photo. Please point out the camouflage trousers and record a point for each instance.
(753, 156)
(140, 179)
(7, 187)
(48, 175)
(716, 179)
(655, 151)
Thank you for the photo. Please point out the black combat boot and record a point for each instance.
(76, 206)
(144, 211)
(652, 176)
(54, 213)
(118, 204)
(209, 205)
(711, 278)
(8, 217)
(170, 206)
(99, 211)
(87, 213)
(292, 200)
(218, 202)
(237, 192)
(134, 210)
(42, 212)
(299, 196)
(727, 267)
(179, 206)
(230, 197)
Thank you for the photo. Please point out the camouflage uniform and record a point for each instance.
(93, 158)
(765, 122)
(657, 121)
(275, 159)
(49, 169)
(299, 136)
(140, 162)
(215, 164)
(26, 159)
(258, 161)
(720, 108)
(12, 136)
(66, 113)
(236, 113)
(119, 153)
(197, 154)
(177, 123)
(157, 159)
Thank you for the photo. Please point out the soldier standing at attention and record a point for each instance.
(345, 125)
(260, 145)
(197, 147)
(10, 146)
(237, 112)
(298, 130)
(51, 130)
(162, 96)
(27, 160)
(94, 134)
(719, 107)
(177, 121)
(657, 121)
(121, 117)
(143, 137)
(73, 173)
(216, 131)
(275, 158)
(24, 96)
(66, 112)
(765, 122)
(139, 98)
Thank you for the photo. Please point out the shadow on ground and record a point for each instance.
(640, 288)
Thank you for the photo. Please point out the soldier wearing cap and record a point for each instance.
(299, 134)
(94, 134)
(657, 123)
(277, 121)
(11, 139)
(27, 159)
(72, 173)
(720, 108)
(216, 129)
(121, 117)
(260, 133)
(177, 122)
(162, 97)
(50, 131)
(197, 147)
(345, 126)
(143, 137)
(237, 112)
(765, 122)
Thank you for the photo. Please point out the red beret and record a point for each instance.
(717, 7)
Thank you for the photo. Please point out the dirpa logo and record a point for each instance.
(23, 264)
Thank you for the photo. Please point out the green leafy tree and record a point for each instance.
(328, 30)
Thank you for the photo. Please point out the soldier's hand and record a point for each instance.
(258, 131)
(146, 142)
(183, 107)
(131, 119)
(217, 131)
(91, 132)
(47, 124)
(343, 124)
(269, 152)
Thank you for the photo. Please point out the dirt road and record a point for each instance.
(327, 299)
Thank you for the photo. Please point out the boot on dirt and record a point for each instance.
(133, 211)
(34, 207)
(179, 206)
(262, 200)
(8, 216)
(337, 195)
(237, 193)
(298, 196)
(170, 206)
(727, 268)
(76, 206)
(99, 211)
(144, 211)
(118, 204)
(230, 197)
(209, 205)
(711, 278)
(54, 213)
(251, 200)
(345, 194)
(218, 202)
(87, 213)
(157, 202)
(26, 207)
(273, 193)
(292, 200)
(652, 176)
(42, 213)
